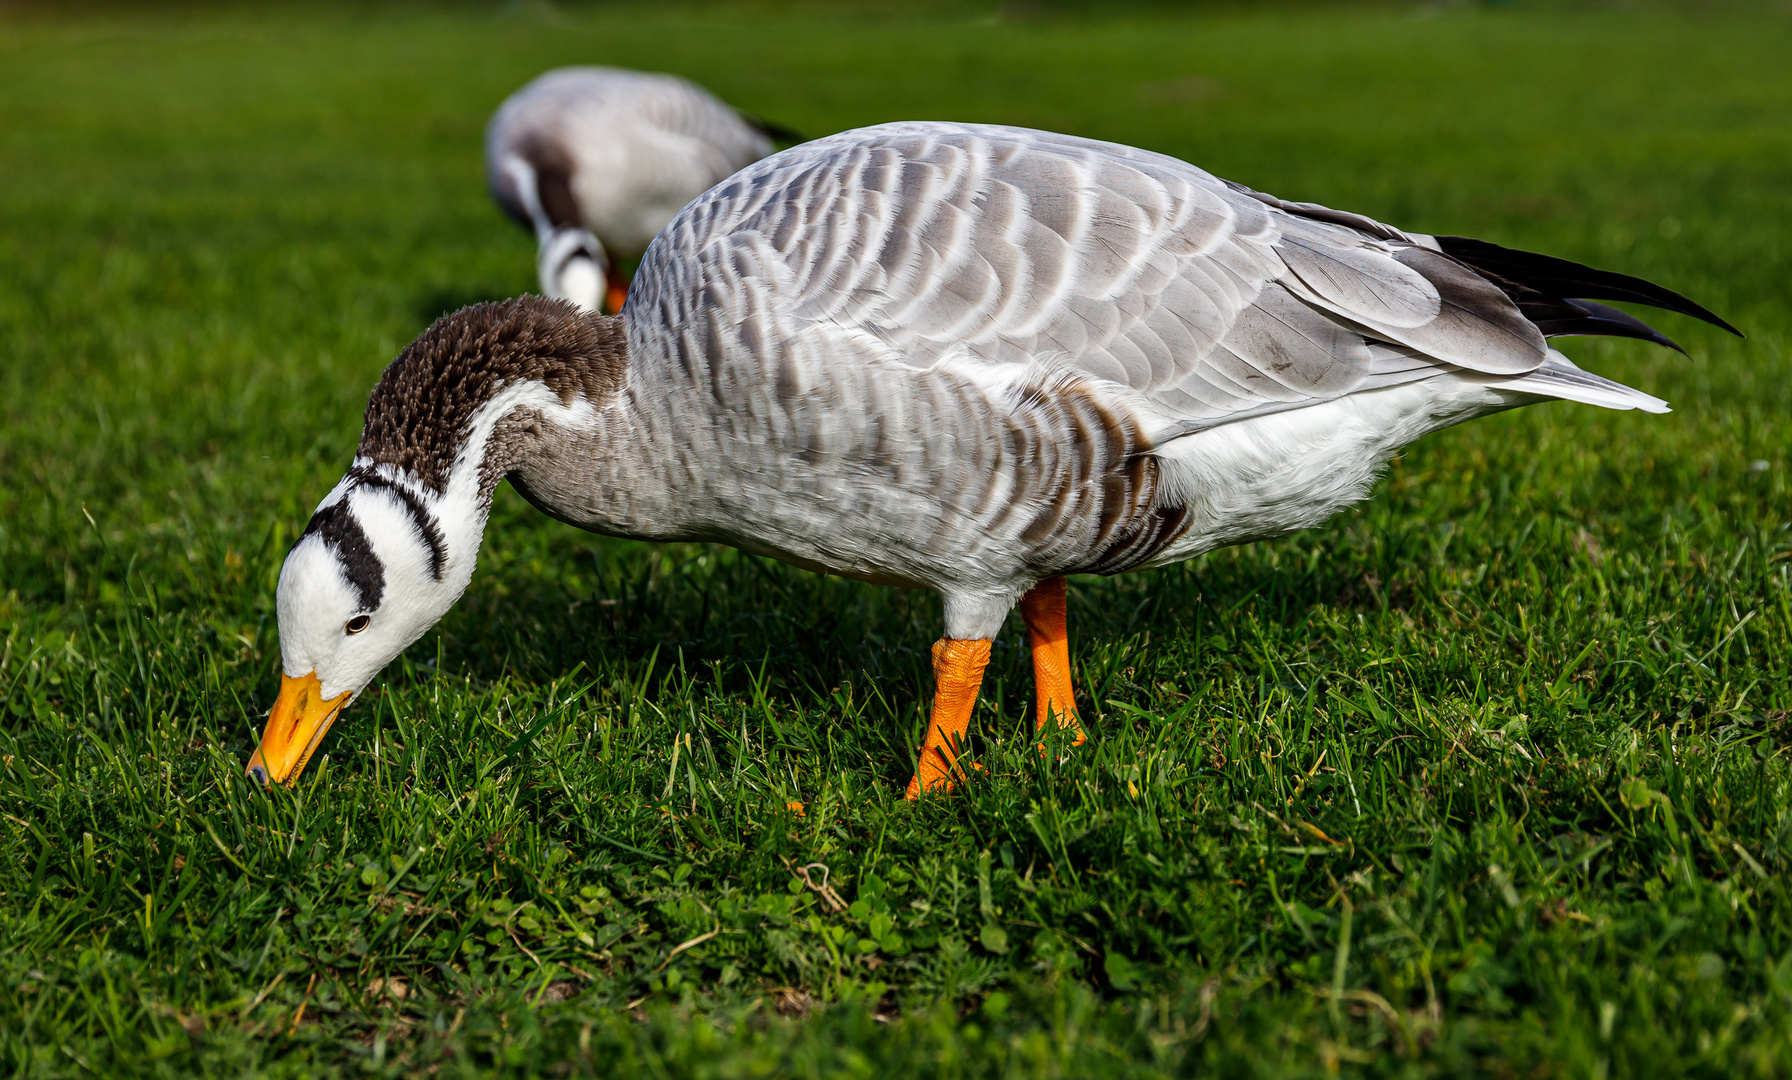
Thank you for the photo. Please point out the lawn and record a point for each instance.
(1489, 776)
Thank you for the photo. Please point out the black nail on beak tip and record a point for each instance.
(259, 775)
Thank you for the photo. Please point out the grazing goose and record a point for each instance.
(969, 359)
(597, 160)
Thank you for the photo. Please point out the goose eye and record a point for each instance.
(357, 624)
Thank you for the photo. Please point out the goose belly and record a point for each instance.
(1275, 474)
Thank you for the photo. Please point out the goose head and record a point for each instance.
(366, 579)
(393, 545)
(573, 267)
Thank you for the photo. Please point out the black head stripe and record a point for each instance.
(420, 517)
(336, 526)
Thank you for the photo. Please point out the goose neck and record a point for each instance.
(482, 392)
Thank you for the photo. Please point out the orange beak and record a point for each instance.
(300, 718)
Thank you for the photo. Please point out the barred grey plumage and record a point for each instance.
(968, 357)
(963, 358)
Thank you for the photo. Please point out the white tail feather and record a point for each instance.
(1557, 377)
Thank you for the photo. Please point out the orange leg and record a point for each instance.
(617, 293)
(957, 675)
(1043, 608)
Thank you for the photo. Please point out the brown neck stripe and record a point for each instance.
(419, 414)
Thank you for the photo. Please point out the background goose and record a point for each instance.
(971, 359)
(597, 160)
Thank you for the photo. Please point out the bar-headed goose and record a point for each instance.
(597, 160)
(968, 359)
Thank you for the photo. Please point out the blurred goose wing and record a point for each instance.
(616, 151)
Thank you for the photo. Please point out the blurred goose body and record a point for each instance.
(967, 359)
(596, 160)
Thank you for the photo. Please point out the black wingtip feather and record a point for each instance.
(1597, 320)
(776, 132)
(1562, 278)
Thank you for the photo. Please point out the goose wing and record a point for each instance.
(986, 247)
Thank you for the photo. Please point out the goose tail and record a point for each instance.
(1560, 296)
(1558, 377)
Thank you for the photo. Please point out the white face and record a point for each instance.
(358, 590)
(572, 267)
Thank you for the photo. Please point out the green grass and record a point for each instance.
(1487, 777)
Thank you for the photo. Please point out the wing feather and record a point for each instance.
(1000, 246)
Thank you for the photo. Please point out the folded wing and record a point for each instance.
(984, 247)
